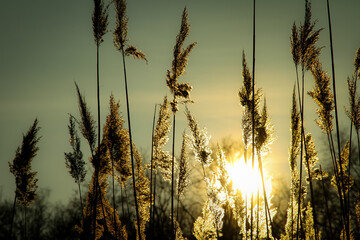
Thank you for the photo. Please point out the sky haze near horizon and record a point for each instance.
(47, 45)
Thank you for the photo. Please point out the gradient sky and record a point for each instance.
(46, 45)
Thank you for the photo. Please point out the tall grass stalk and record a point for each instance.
(253, 115)
(100, 23)
(152, 196)
(330, 234)
(347, 213)
(179, 90)
(120, 42)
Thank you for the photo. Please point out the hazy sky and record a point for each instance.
(46, 45)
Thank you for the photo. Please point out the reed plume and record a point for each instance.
(162, 158)
(100, 21)
(74, 160)
(323, 97)
(87, 123)
(184, 173)
(121, 31)
(347, 180)
(116, 139)
(181, 57)
(250, 100)
(246, 96)
(198, 141)
(308, 37)
(143, 194)
(105, 227)
(204, 224)
(21, 166)
(354, 112)
(25, 179)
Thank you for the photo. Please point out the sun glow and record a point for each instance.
(247, 179)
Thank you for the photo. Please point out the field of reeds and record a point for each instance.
(189, 186)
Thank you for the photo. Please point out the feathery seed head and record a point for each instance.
(295, 45)
(357, 60)
(181, 57)
(143, 193)
(87, 123)
(323, 96)
(161, 157)
(264, 131)
(21, 167)
(198, 141)
(346, 181)
(74, 160)
(309, 53)
(295, 133)
(184, 171)
(137, 54)
(100, 21)
(121, 30)
(117, 140)
(310, 154)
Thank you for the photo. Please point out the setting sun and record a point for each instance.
(245, 178)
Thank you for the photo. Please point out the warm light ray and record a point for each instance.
(247, 179)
